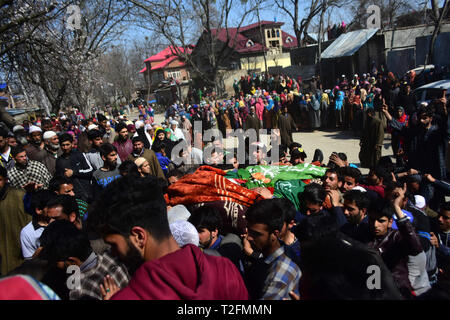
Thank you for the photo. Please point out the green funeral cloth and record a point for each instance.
(289, 189)
(267, 176)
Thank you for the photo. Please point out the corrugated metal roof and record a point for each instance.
(348, 43)
(315, 36)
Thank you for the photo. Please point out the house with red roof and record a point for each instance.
(245, 47)
(166, 65)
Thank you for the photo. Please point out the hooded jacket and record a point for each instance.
(186, 274)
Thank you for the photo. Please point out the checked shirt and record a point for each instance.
(91, 279)
(33, 172)
(284, 276)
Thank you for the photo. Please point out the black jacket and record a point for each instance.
(82, 173)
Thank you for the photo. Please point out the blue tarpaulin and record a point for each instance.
(152, 101)
(2, 86)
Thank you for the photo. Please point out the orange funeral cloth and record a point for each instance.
(209, 184)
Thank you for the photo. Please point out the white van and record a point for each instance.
(431, 91)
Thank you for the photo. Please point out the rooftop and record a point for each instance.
(166, 56)
(239, 42)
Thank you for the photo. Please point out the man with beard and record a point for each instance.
(356, 204)
(208, 222)
(109, 171)
(74, 164)
(6, 158)
(30, 234)
(149, 155)
(425, 144)
(27, 174)
(135, 224)
(94, 157)
(35, 145)
(46, 125)
(123, 143)
(51, 151)
(20, 134)
(265, 224)
(102, 123)
(12, 219)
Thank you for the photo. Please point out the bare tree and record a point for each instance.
(60, 62)
(19, 19)
(390, 10)
(301, 23)
(438, 17)
(183, 23)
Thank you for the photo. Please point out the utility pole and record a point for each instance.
(319, 37)
(262, 38)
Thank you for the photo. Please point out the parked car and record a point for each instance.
(431, 91)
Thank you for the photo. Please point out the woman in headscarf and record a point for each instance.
(275, 111)
(259, 106)
(324, 103)
(357, 108)
(314, 111)
(161, 138)
(338, 107)
(267, 114)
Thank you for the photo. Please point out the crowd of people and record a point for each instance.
(145, 212)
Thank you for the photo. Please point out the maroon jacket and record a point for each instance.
(123, 149)
(395, 247)
(186, 274)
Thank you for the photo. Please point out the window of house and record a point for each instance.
(273, 33)
(174, 74)
(249, 43)
(268, 33)
(274, 44)
(289, 40)
(278, 33)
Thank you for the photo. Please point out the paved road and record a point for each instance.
(328, 141)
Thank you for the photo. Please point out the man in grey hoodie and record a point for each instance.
(95, 159)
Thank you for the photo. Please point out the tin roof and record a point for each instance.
(348, 43)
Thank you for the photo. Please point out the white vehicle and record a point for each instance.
(432, 91)
(422, 68)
